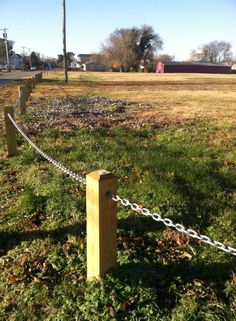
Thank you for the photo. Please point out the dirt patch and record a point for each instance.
(68, 113)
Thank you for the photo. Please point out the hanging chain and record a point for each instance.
(47, 157)
(16, 103)
(179, 227)
(125, 202)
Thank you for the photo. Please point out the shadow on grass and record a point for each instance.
(140, 224)
(170, 281)
(9, 240)
(59, 82)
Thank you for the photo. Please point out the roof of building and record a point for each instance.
(94, 62)
(84, 55)
(196, 63)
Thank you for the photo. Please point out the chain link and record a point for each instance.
(48, 158)
(16, 103)
(179, 227)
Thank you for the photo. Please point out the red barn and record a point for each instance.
(193, 67)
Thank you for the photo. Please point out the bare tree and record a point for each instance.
(214, 51)
(165, 58)
(10, 45)
(126, 48)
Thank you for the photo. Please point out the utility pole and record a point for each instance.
(23, 51)
(7, 53)
(29, 57)
(24, 57)
(64, 38)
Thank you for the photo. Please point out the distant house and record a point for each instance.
(15, 60)
(74, 63)
(83, 58)
(95, 66)
(193, 67)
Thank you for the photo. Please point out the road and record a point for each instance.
(8, 77)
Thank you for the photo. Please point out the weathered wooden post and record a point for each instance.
(10, 131)
(27, 91)
(33, 82)
(22, 98)
(30, 85)
(101, 223)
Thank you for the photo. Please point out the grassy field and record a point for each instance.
(173, 150)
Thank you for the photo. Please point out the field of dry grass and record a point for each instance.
(173, 96)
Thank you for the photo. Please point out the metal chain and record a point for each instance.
(125, 202)
(51, 160)
(179, 227)
(16, 103)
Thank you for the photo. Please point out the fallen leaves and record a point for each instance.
(128, 304)
(68, 113)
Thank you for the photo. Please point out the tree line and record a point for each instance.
(132, 49)
(129, 49)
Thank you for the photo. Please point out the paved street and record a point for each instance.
(8, 77)
(5, 81)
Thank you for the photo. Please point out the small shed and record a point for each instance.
(160, 67)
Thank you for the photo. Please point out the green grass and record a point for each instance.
(187, 173)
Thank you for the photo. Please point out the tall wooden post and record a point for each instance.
(64, 39)
(22, 97)
(101, 223)
(10, 132)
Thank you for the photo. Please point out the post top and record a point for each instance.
(100, 175)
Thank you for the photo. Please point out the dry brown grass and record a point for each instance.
(178, 97)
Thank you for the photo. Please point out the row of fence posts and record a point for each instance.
(24, 92)
(26, 89)
(100, 208)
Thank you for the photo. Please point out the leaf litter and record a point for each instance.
(69, 113)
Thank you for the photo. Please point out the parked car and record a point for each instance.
(33, 68)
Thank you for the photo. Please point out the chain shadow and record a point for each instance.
(169, 280)
(139, 223)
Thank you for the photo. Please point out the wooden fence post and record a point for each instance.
(33, 82)
(10, 131)
(101, 223)
(30, 85)
(27, 91)
(22, 97)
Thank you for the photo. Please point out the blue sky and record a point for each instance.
(182, 24)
